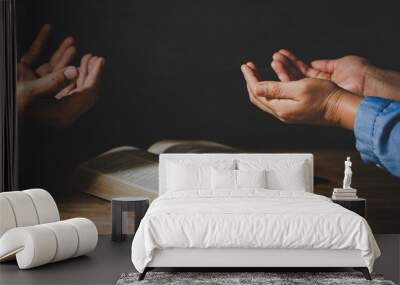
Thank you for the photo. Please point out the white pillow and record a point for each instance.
(181, 178)
(237, 179)
(223, 179)
(291, 175)
(251, 178)
(189, 175)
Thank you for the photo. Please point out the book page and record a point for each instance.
(190, 146)
(130, 165)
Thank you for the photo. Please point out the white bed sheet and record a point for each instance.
(250, 218)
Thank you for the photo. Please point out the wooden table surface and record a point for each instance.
(381, 190)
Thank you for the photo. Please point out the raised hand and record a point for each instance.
(288, 67)
(347, 72)
(55, 94)
(74, 100)
(60, 58)
(312, 101)
(352, 73)
(45, 87)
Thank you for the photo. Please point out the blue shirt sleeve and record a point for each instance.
(377, 132)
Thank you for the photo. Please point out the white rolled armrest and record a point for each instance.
(7, 219)
(87, 235)
(67, 240)
(45, 206)
(33, 246)
(40, 244)
(24, 211)
(26, 208)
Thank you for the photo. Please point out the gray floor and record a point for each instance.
(103, 266)
(110, 260)
(389, 263)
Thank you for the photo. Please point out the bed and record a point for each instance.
(246, 211)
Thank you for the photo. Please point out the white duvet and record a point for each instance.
(250, 219)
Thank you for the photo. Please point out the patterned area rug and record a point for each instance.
(244, 278)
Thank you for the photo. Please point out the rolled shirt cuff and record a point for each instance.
(364, 127)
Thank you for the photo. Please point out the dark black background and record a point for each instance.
(173, 70)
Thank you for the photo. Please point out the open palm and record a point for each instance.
(50, 93)
(60, 58)
(348, 72)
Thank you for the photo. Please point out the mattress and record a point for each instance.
(250, 219)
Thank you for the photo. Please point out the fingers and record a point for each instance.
(69, 108)
(62, 49)
(324, 65)
(249, 73)
(95, 68)
(251, 65)
(251, 76)
(280, 71)
(83, 70)
(298, 63)
(52, 83)
(36, 46)
(60, 59)
(252, 79)
(72, 101)
(89, 76)
(296, 68)
(267, 89)
(273, 90)
(254, 68)
(284, 68)
(66, 58)
(66, 91)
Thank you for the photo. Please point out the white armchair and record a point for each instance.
(31, 230)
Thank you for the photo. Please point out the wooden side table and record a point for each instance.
(126, 213)
(358, 205)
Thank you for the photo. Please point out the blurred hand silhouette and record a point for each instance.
(56, 93)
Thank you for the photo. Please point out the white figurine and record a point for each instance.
(348, 173)
(347, 192)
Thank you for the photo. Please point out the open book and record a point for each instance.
(130, 171)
